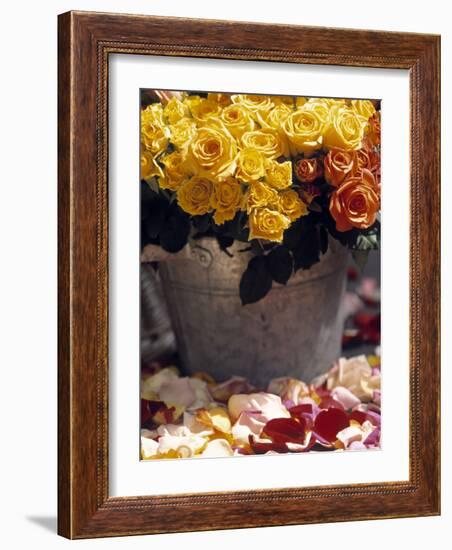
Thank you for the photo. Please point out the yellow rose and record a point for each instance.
(363, 107)
(237, 119)
(192, 100)
(254, 103)
(175, 110)
(268, 141)
(250, 165)
(226, 199)
(275, 117)
(291, 205)
(304, 129)
(212, 153)
(175, 171)
(154, 133)
(345, 129)
(149, 167)
(300, 101)
(320, 106)
(278, 174)
(222, 99)
(260, 195)
(267, 224)
(287, 100)
(204, 110)
(182, 132)
(194, 195)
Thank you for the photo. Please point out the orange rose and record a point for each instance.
(356, 202)
(373, 129)
(308, 170)
(338, 164)
(368, 159)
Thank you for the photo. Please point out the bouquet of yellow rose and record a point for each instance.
(279, 172)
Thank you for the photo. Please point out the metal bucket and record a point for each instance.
(295, 330)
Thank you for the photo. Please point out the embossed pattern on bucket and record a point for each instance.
(295, 330)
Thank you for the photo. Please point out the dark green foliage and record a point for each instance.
(174, 233)
(256, 280)
(307, 252)
(162, 221)
(280, 264)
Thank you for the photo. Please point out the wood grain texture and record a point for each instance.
(85, 42)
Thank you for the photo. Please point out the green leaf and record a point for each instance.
(201, 223)
(292, 236)
(360, 257)
(368, 241)
(307, 253)
(153, 184)
(174, 233)
(280, 264)
(234, 228)
(224, 242)
(154, 210)
(323, 235)
(256, 281)
(315, 207)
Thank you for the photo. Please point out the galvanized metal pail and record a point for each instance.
(294, 331)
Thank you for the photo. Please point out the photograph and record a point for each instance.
(260, 221)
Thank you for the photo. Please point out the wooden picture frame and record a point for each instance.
(86, 40)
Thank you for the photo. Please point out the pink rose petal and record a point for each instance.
(177, 392)
(345, 397)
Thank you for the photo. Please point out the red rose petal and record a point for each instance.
(303, 408)
(358, 416)
(330, 403)
(260, 447)
(146, 414)
(284, 430)
(329, 422)
(352, 274)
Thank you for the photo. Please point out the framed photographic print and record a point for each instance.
(248, 275)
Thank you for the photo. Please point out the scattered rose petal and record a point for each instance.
(264, 446)
(204, 376)
(217, 448)
(196, 427)
(267, 404)
(149, 448)
(235, 385)
(203, 397)
(355, 432)
(185, 418)
(373, 439)
(217, 418)
(329, 401)
(356, 446)
(351, 304)
(369, 327)
(248, 423)
(376, 397)
(368, 291)
(289, 389)
(184, 446)
(345, 397)
(283, 430)
(177, 392)
(151, 385)
(358, 416)
(329, 422)
(354, 374)
(352, 274)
